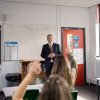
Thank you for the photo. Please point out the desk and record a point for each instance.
(8, 91)
(23, 66)
(98, 79)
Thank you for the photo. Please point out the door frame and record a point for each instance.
(84, 49)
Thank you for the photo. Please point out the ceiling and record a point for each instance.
(73, 3)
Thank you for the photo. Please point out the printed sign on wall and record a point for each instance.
(10, 50)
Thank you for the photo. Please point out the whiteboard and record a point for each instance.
(30, 38)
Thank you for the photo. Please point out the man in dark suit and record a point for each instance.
(49, 51)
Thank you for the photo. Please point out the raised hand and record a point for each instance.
(34, 68)
(69, 49)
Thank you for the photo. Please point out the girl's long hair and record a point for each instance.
(55, 88)
(60, 68)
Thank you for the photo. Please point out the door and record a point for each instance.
(75, 38)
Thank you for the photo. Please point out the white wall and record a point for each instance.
(92, 41)
(97, 71)
(24, 14)
(8, 67)
(77, 17)
(30, 38)
(19, 13)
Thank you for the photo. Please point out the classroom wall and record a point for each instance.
(78, 17)
(93, 72)
(94, 61)
(36, 14)
(97, 69)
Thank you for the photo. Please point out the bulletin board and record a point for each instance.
(30, 38)
(10, 50)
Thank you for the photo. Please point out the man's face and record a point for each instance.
(50, 39)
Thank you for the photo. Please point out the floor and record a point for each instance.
(86, 92)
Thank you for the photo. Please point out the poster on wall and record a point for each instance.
(69, 40)
(14, 50)
(78, 55)
(6, 50)
(10, 50)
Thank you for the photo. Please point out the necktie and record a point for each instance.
(51, 49)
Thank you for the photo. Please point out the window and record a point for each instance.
(97, 39)
(98, 32)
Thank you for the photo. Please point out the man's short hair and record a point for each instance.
(49, 35)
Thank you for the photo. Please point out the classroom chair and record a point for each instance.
(31, 95)
(74, 94)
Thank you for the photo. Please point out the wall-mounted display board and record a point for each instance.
(30, 38)
(10, 50)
